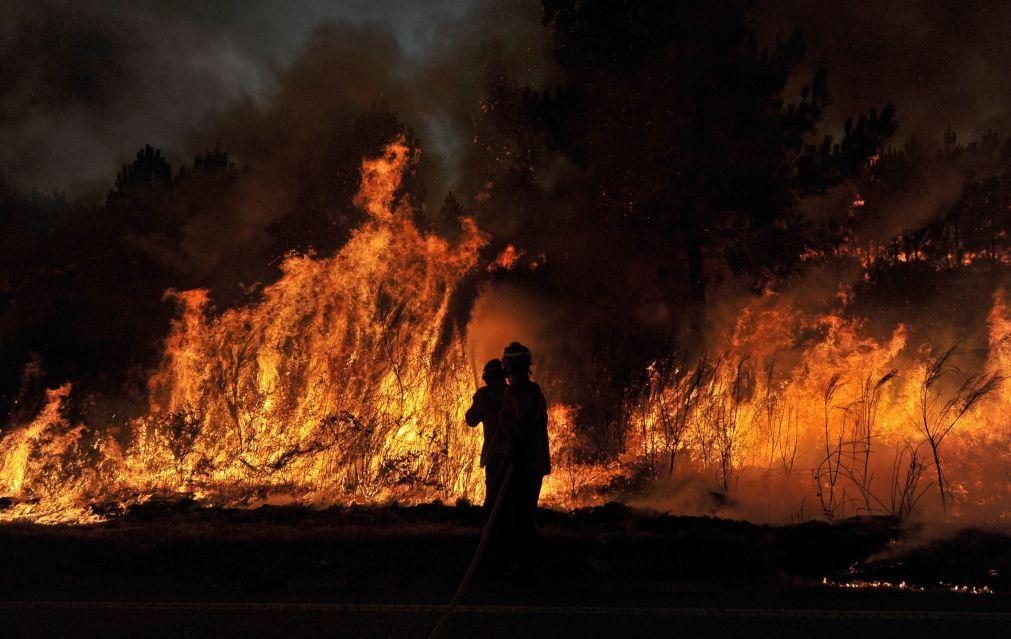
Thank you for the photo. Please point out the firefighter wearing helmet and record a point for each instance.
(524, 425)
(486, 409)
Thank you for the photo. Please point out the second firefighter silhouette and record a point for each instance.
(486, 409)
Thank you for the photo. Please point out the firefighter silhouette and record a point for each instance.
(485, 409)
(523, 424)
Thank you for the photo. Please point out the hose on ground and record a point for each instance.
(476, 559)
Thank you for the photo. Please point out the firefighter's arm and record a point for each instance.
(474, 413)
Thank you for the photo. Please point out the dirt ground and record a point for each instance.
(178, 570)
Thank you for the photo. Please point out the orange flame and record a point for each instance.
(346, 381)
(507, 259)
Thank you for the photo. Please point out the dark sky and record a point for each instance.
(86, 83)
(941, 62)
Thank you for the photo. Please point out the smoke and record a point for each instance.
(96, 80)
(943, 64)
(87, 83)
(760, 496)
(510, 313)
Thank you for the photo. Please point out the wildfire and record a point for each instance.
(347, 379)
(902, 585)
(849, 421)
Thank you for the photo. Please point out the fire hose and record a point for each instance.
(476, 559)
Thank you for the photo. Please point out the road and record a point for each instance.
(253, 620)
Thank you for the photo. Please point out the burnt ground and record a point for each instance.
(177, 570)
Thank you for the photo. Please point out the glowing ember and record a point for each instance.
(506, 260)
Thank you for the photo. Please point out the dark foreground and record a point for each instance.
(180, 571)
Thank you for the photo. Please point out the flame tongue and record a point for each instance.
(381, 177)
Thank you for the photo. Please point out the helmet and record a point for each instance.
(516, 359)
(493, 372)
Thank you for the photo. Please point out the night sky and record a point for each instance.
(86, 83)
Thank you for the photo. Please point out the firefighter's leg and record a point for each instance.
(527, 551)
(494, 473)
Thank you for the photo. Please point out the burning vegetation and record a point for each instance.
(346, 381)
(731, 314)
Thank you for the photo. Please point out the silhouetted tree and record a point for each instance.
(678, 121)
(149, 169)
